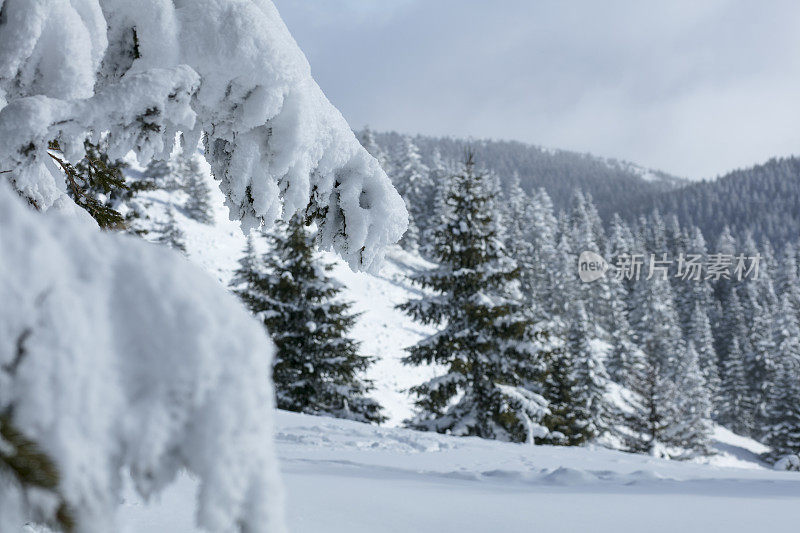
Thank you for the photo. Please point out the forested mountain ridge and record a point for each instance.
(763, 199)
(614, 185)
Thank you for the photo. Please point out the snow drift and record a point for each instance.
(117, 354)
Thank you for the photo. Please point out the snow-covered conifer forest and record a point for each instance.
(222, 309)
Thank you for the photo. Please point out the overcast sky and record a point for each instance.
(693, 88)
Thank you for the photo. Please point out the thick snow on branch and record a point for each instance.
(225, 71)
(117, 355)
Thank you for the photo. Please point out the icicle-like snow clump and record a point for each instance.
(225, 71)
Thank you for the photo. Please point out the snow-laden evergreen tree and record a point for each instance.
(655, 320)
(544, 261)
(700, 335)
(761, 364)
(781, 425)
(586, 234)
(518, 217)
(795, 244)
(250, 273)
(410, 239)
(657, 422)
(623, 347)
(692, 429)
(621, 244)
(654, 409)
(318, 369)
(677, 239)
(439, 216)
(514, 206)
(788, 281)
(737, 401)
(725, 316)
(654, 233)
(439, 171)
(566, 289)
(170, 233)
(413, 182)
(726, 242)
(769, 263)
(766, 286)
(596, 223)
(198, 193)
(735, 410)
(690, 286)
(439, 167)
(585, 225)
(783, 434)
(678, 243)
(183, 171)
(183, 177)
(580, 411)
(671, 414)
(566, 425)
(787, 332)
(624, 352)
(162, 173)
(494, 356)
(375, 150)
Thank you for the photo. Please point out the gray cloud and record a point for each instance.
(693, 88)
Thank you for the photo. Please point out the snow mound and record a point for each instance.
(789, 462)
(569, 476)
(119, 356)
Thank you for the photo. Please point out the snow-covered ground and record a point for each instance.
(349, 477)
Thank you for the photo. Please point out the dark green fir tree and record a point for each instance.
(318, 369)
(492, 352)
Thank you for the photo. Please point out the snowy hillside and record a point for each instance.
(349, 477)
(616, 186)
(383, 330)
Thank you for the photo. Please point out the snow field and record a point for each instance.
(347, 477)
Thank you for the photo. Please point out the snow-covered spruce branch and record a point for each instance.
(227, 72)
(136, 362)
